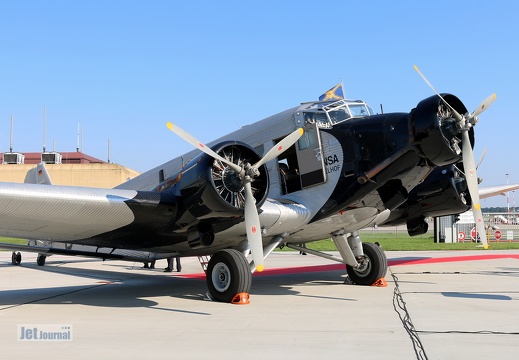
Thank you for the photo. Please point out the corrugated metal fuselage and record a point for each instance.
(361, 167)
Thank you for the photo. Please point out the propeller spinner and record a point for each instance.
(247, 173)
(465, 122)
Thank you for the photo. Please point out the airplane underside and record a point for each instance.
(228, 271)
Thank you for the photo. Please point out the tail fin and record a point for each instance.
(38, 175)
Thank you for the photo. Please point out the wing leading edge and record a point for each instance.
(489, 191)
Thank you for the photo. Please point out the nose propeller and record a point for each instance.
(465, 122)
(247, 173)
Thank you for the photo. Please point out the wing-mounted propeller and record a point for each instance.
(246, 173)
(464, 123)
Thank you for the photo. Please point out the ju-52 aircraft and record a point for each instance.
(323, 169)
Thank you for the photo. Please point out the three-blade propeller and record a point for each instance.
(246, 175)
(465, 122)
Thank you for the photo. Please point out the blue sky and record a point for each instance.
(121, 69)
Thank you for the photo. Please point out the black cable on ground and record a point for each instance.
(401, 309)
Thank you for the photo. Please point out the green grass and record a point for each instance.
(404, 242)
(388, 241)
(13, 241)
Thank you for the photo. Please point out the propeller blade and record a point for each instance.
(484, 105)
(457, 115)
(253, 228)
(201, 146)
(472, 183)
(482, 157)
(280, 147)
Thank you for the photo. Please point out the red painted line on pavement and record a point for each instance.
(418, 261)
(392, 262)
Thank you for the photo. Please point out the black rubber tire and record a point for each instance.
(16, 258)
(376, 269)
(40, 260)
(228, 274)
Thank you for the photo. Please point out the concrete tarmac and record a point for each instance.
(437, 305)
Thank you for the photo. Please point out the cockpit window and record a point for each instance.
(359, 110)
(327, 114)
(339, 115)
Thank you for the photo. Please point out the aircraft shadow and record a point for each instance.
(141, 289)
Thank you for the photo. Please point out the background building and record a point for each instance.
(66, 168)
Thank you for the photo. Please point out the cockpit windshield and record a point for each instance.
(325, 115)
(359, 110)
(339, 115)
(342, 110)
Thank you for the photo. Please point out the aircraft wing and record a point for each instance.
(51, 248)
(32, 211)
(489, 191)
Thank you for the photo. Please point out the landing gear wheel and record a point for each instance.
(16, 258)
(373, 270)
(40, 260)
(228, 274)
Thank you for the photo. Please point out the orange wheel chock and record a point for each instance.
(241, 299)
(380, 283)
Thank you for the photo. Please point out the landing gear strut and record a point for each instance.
(365, 262)
(228, 274)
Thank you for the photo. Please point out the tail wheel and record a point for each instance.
(374, 269)
(228, 274)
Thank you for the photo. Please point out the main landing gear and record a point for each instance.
(366, 263)
(228, 274)
(371, 268)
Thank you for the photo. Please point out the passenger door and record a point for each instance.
(309, 157)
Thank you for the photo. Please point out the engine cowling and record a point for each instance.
(436, 132)
(211, 189)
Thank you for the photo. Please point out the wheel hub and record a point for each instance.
(221, 277)
(364, 267)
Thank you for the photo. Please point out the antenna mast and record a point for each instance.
(77, 144)
(11, 136)
(44, 125)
